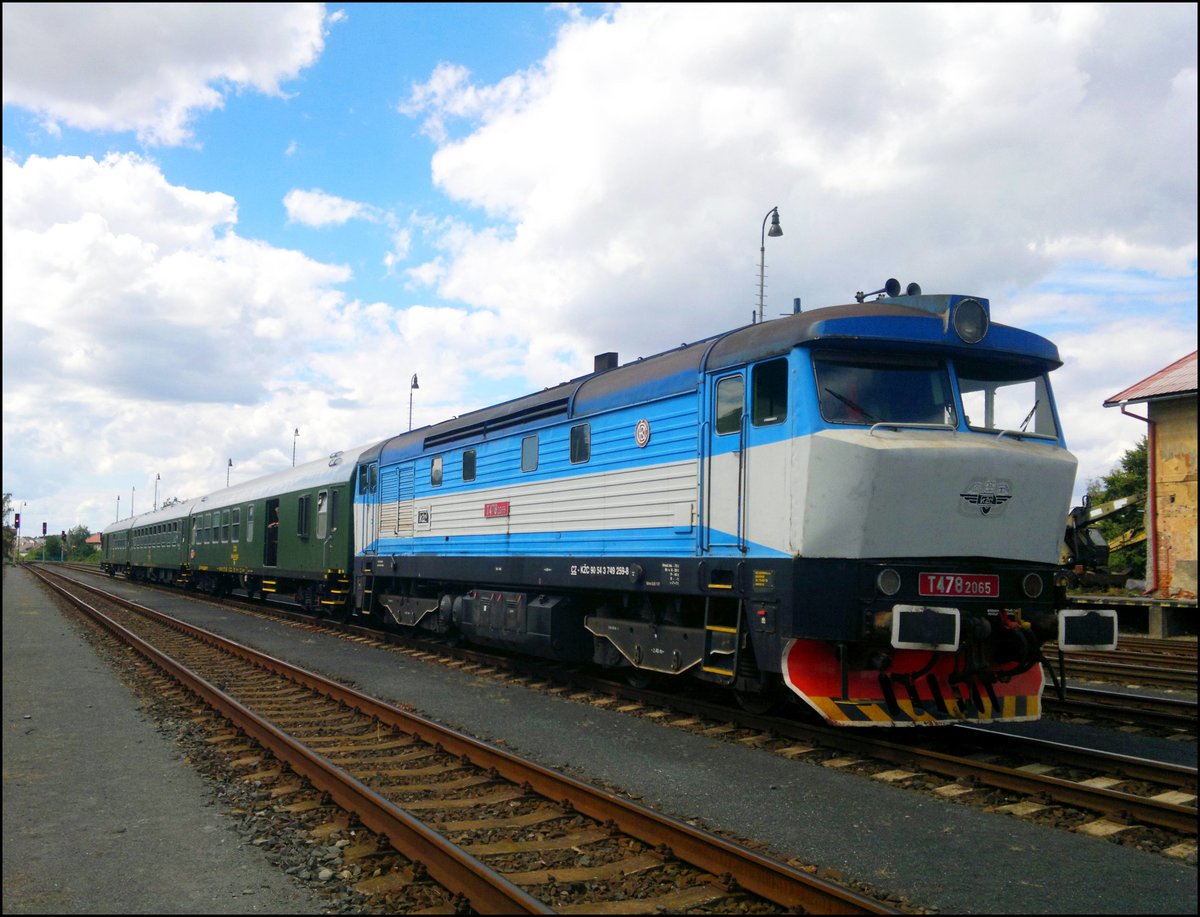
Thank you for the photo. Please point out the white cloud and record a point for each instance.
(150, 67)
(316, 208)
(982, 148)
(140, 332)
(1043, 156)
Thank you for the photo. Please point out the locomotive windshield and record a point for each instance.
(879, 389)
(1020, 403)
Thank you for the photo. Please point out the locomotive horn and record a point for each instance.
(892, 288)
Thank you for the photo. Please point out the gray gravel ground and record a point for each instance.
(941, 855)
(101, 815)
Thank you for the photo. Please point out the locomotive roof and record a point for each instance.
(901, 322)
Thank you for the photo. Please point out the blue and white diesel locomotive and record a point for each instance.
(862, 503)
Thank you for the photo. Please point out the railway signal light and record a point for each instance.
(18, 522)
(43, 528)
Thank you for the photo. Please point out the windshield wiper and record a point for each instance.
(850, 404)
(1029, 416)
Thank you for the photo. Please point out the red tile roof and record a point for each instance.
(1177, 379)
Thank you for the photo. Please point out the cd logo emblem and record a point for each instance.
(641, 433)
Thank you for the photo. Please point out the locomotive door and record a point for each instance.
(724, 489)
(747, 490)
(368, 508)
(766, 481)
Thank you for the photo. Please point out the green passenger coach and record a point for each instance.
(288, 533)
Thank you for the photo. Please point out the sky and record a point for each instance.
(227, 223)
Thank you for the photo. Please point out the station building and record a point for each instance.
(1169, 399)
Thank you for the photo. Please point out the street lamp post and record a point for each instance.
(228, 468)
(157, 478)
(776, 230)
(295, 436)
(412, 388)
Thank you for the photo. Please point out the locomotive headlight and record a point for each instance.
(1033, 585)
(888, 581)
(970, 321)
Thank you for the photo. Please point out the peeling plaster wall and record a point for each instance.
(1175, 495)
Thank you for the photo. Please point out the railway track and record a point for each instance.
(1176, 715)
(1139, 673)
(506, 834)
(1123, 792)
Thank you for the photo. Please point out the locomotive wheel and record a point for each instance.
(639, 678)
(757, 703)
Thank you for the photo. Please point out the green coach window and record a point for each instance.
(322, 513)
(302, 515)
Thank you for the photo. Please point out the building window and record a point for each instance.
(468, 469)
(529, 453)
(581, 443)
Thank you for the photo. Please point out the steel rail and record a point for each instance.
(757, 874)
(448, 864)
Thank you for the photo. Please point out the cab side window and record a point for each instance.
(731, 395)
(769, 393)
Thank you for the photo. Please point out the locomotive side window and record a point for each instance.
(880, 389)
(322, 513)
(368, 478)
(581, 443)
(731, 395)
(529, 453)
(468, 466)
(769, 389)
(993, 404)
(435, 472)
